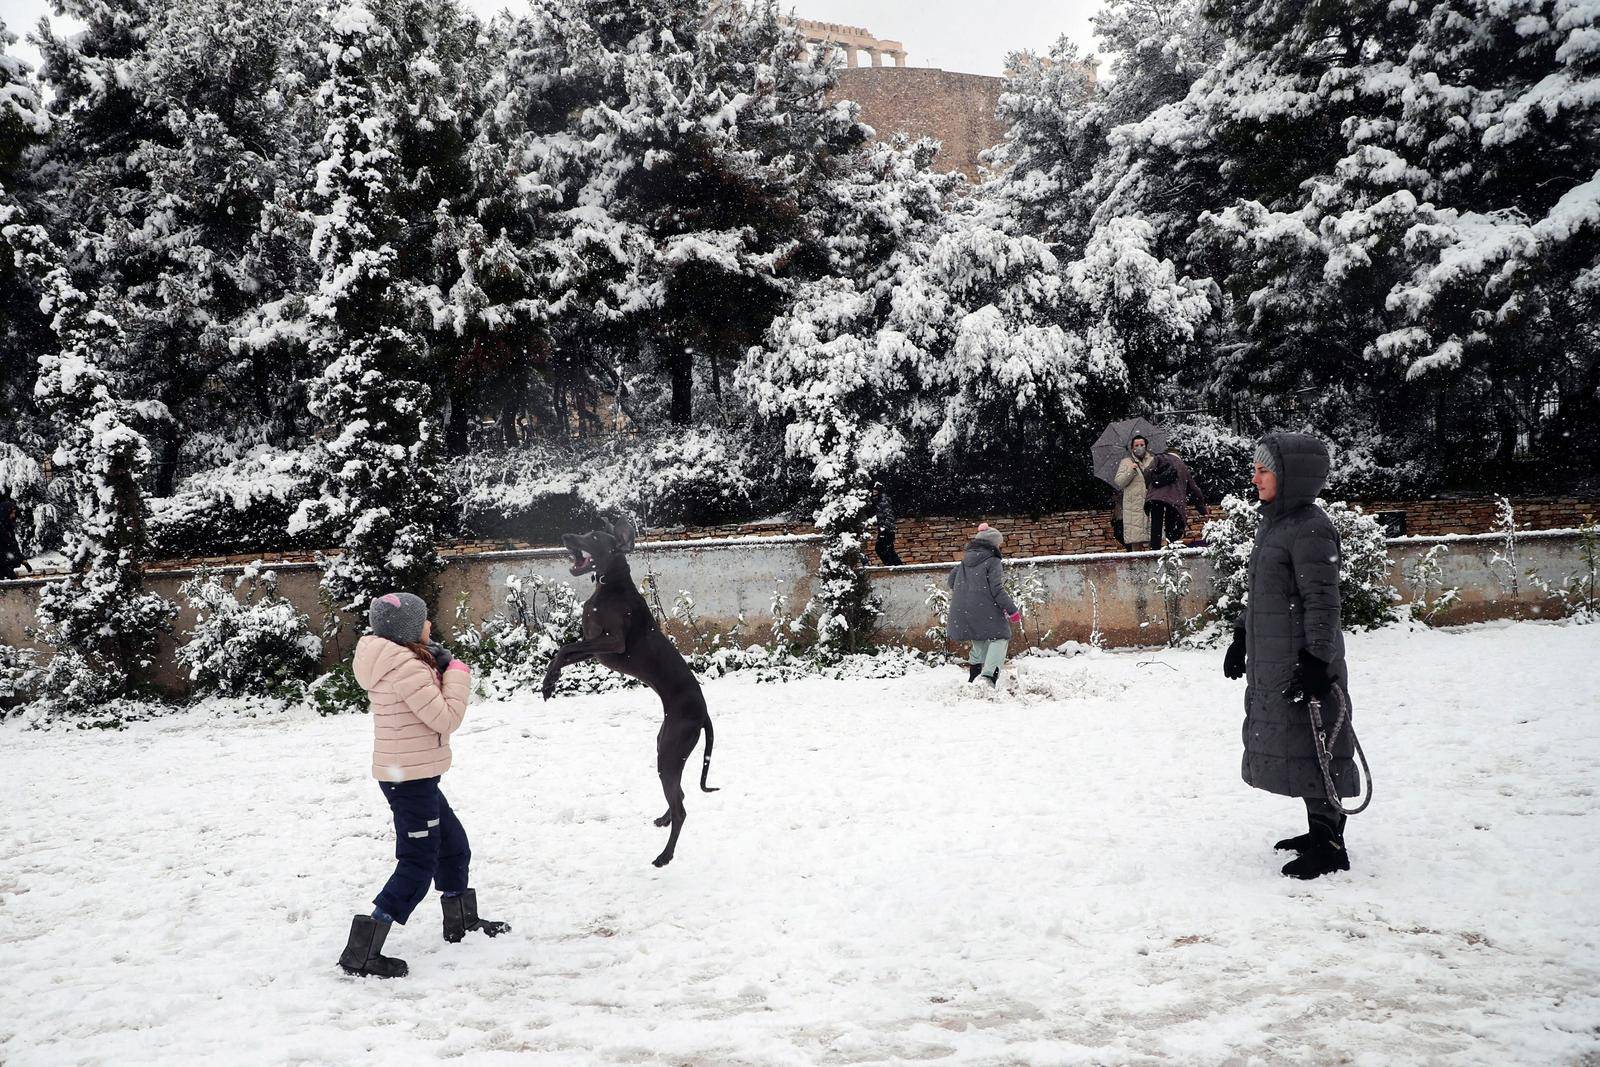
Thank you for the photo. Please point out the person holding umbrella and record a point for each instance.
(1123, 456)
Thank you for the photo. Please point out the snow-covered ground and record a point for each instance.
(894, 870)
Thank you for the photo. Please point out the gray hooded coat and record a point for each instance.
(979, 602)
(1294, 604)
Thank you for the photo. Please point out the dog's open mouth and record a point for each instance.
(582, 562)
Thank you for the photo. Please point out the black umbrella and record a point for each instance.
(1112, 446)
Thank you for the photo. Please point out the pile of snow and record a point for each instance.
(891, 871)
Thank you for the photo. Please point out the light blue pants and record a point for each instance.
(989, 653)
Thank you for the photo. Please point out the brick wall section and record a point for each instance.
(938, 538)
(957, 109)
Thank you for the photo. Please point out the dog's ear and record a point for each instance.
(622, 530)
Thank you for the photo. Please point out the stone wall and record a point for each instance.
(934, 539)
(732, 582)
(957, 109)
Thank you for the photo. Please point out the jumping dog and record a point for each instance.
(621, 634)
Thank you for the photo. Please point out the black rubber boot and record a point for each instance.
(461, 915)
(363, 953)
(993, 680)
(1325, 855)
(973, 670)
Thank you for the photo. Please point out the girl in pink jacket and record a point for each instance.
(418, 693)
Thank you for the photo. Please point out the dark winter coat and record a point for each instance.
(979, 603)
(1293, 605)
(1180, 493)
(883, 512)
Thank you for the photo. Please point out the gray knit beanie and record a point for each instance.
(1267, 458)
(989, 535)
(398, 617)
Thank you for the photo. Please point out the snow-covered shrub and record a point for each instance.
(1366, 597)
(23, 478)
(19, 676)
(1505, 560)
(696, 475)
(1219, 458)
(244, 506)
(510, 651)
(1364, 471)
(938, 601)
(337, 692)
(1172, 581)
(255, 643)
(1029, 592)
(1578, 596)
(1430, 598)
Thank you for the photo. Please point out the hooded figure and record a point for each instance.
(1289, 639)
(981, 611)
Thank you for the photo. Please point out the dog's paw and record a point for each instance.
(665, 820)
(548, 689)
(662, 860)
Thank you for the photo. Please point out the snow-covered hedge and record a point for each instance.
(253, 644)
(1367, 597)
(703, 474)
(242, 506)
(1219, 457)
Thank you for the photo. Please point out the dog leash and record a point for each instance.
(1325, 747)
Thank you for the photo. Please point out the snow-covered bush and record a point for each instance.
(255, 643)
(1367, 599)
(19, 677)
(1505, 562)
(337, 692)
(1430, 598)
(243, 506)
(699, 475)
(1578, 596)
(1219, 458)
(22, 477)
(1172, 581)
(509, 651)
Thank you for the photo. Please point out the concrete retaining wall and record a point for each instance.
(733, 578)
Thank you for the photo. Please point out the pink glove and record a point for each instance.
(457, 665)
(1015, 616)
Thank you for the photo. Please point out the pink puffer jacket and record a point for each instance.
(414, 710)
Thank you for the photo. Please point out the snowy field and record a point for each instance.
(894, 871)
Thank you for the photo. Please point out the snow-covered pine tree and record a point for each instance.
(101, 623)
(379, 503)
(1420, 245)
(24, 330)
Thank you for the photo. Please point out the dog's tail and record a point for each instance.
(705, 765)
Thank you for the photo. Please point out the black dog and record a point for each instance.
(620, 633)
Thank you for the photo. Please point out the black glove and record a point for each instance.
(1310, 680)
(1233, 662)
(441, 655)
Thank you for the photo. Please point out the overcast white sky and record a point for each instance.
(972, 36)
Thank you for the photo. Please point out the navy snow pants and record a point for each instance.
(430, 846)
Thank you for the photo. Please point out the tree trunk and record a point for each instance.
(680, 371)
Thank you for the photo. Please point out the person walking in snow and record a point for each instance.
(883, 514)
(418, 695)
(981, 611)
(1169, 489)
(1290, 649)
(1130, 482)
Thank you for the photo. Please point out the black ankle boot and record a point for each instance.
(461, 915)
(973, 670)
(363, 953)
(1324, 856)
(1295, 844)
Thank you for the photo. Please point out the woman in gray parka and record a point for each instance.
(981, 611)
(1290, 645)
